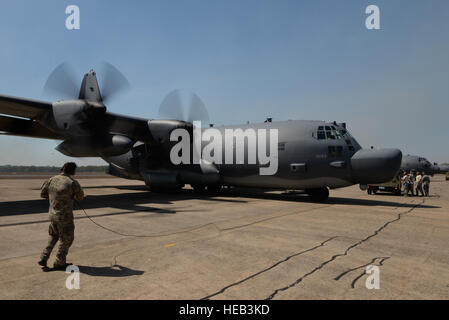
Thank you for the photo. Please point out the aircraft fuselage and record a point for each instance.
(310, 154)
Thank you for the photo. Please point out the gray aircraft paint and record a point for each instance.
(444, 168)
(301, 148)
(418, 163)
(139, 148)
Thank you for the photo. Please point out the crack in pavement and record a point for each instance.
(362, 266)
(269, 268)
(317, 268)
(381, 263)
(220, 230)
(363, 273)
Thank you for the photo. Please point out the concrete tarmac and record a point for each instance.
(240, 244)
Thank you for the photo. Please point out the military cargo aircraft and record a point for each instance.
(418, 163)
(312, 156)
(442, 168)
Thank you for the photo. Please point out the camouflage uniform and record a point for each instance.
(60, 190)
(408, 185)
(425, 183)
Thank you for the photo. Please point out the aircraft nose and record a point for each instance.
(369, 166)
(436, 169)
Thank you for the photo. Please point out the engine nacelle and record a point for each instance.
(69, 117)
(104, 146)
(161, 129)
(74, 118)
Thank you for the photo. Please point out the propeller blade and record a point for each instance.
(197, 110)
(113, 82)
(171, 107)
(61, 83)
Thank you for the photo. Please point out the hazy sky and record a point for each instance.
(247, 60)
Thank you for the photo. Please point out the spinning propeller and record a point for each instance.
(63, 83)
(174, 107)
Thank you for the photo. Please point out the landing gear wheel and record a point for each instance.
(369, 191)
(318, 194)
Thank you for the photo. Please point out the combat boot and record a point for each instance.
(42, 262)
(59, 266)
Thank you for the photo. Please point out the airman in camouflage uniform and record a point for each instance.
(61, 190)
(425, 184)
(408, 184)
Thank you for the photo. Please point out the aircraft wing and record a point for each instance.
(132, 127)
(25, 128)
(129, 126)
(11, 108)
(25, 108)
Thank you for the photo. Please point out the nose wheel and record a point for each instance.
(318, 194)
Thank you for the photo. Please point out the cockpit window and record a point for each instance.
(345, 134)
(332, 133)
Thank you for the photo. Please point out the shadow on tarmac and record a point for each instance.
(109, 271)
(134, 201)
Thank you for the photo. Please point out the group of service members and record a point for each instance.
(415, 183)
